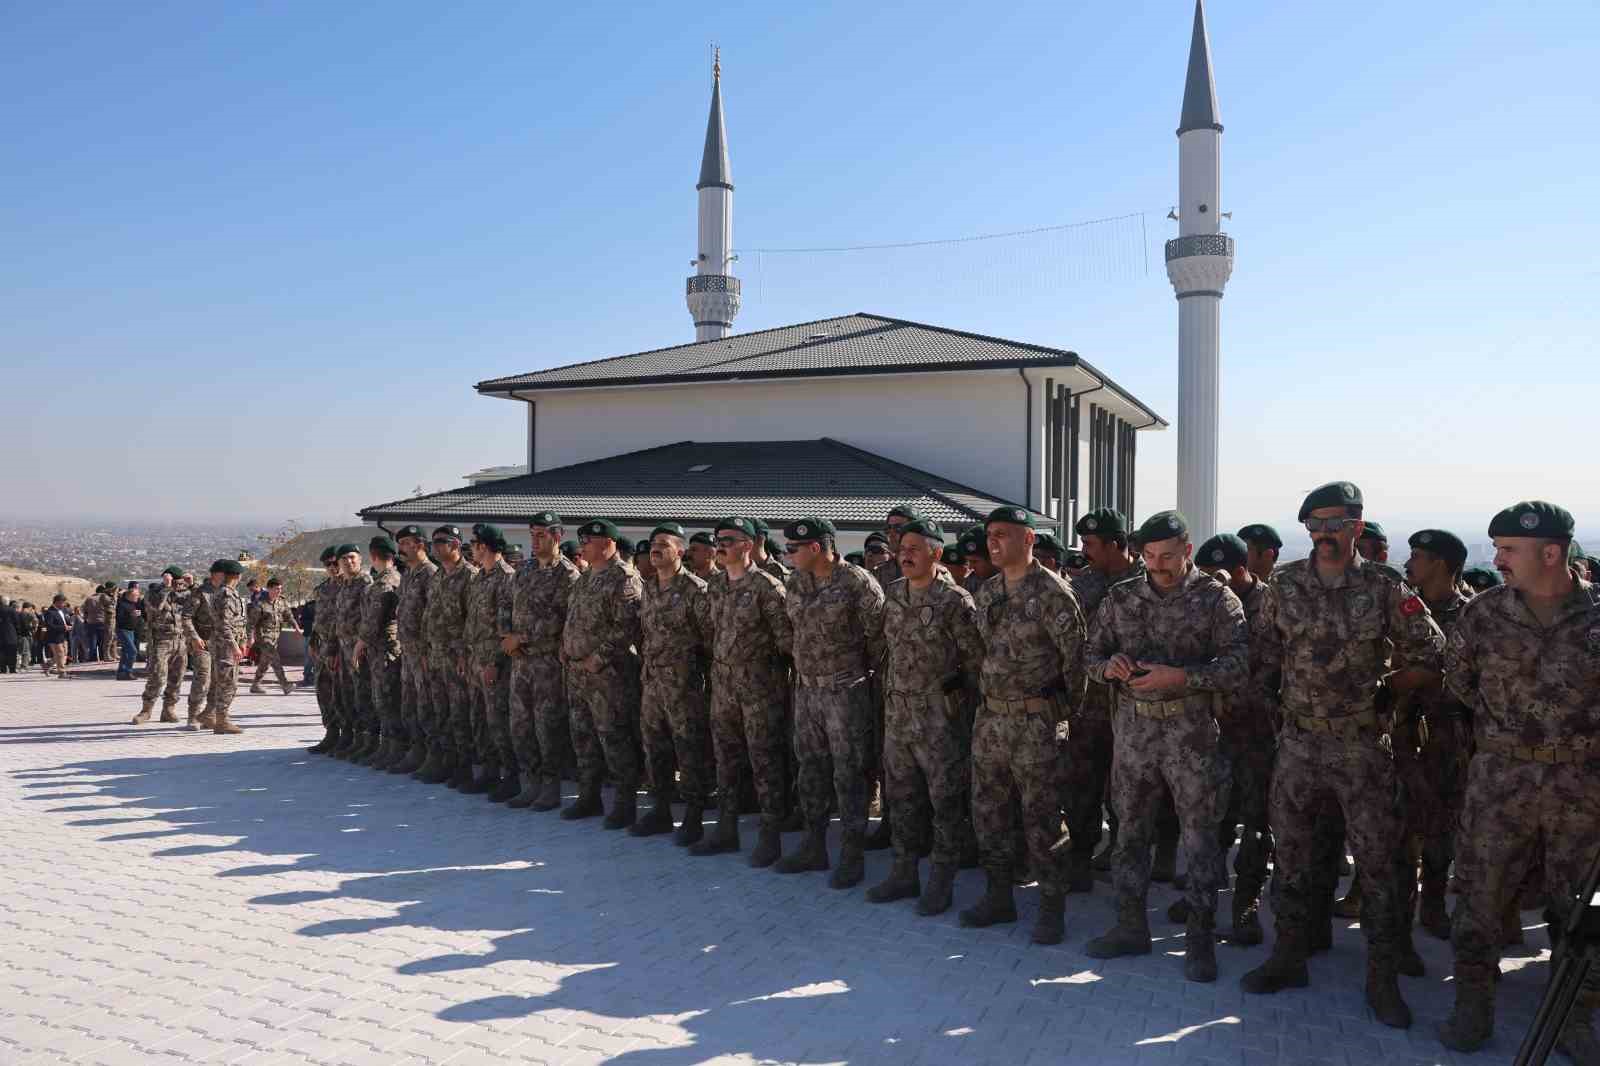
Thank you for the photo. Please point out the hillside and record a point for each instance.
(37, 589)
(304, 549)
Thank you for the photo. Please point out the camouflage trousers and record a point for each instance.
(1015, 751)
(1088, 771)
(328, 698)
(833, 727)
(1513, 807)
(267, 654)
(927, 757)
(450, 724)
(540, 731)
(415, 697)
(1316, 775)
(491, 723)
(200, 687)
(601, 712)
(384, 678)
(677, 727)
(1250, 754)
(224, 685)
(1181, 756)
(747, 715)
(1445, 755)
(165, 661)
(355, 690)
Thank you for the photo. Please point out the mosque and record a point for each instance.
(849, 415)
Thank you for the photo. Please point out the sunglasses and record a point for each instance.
(1329, 525)
(727, 542)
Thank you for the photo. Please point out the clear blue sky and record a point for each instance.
(255, 255)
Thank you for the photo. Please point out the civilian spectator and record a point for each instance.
(308, 618)
(58, 626)
(27, 629)
(10, 618)
(128, 615)
(86, 629)
(77, 642)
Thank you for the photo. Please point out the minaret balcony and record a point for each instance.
(713, 283)
(1200, 244)
(1200, 264)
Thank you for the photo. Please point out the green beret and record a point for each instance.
(1047, 542)
(1163, 525)
(329, 554)
(702, 537)
(952, 555)
(641, 547)
(231, 567)
(855, 558)
(1575, 552)
(762, 529)
(600, 527)
(1371, 530)
(828, 526)
(1224, 550)
(174, 571)
(1259, 533)
(906, 511)
(1533, 518)
(1479, 578)
(974, 543)
(1015, 516)
(449, 532)
(745, 526)
(383, 545)
(1440, 542)
(807, 530)
(774, 549)
(1073, 559)
(489, 536)
(624, 545)
(569, 548)
(671, 529)
(880, 539)
(347, 549)
(1101, 522)
(410, 531)
(924, 527)
(1333, 494)
(544, 520)
(274, 583)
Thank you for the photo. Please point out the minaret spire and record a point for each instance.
(713, 293)
(1199, 263)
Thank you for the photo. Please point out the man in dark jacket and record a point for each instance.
(128, 613)
(58, 630)
(10, 619)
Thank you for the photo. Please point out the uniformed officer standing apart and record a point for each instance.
(930, 628)
(1320, 647)
(1033, 682)
(325, 636)
(675, 635)
(415, 695)
(166, 656)
(379, 650)
(488, 616)
(227, 643)
(598, 646)
(1526, 657)
(1170, 644)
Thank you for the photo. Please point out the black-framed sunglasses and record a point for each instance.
(727, 542)
(1329, 525)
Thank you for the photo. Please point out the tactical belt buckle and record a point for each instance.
(1027, 705)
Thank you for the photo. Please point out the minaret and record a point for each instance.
(713, 293)
(1199, 261)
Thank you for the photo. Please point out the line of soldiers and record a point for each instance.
(1200, 693)
(204, 626)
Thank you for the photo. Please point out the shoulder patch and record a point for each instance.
(1412, 605)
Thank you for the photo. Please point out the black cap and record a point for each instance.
(1533, 518)
(347, 549)
(1333, 494)
(952, 555)
(1440, 542)
(1224, 550)
(1259, 534)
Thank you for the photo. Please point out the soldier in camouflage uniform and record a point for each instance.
(1169, 644)
(1526, 657)
(488, 616)
(1263, 545)
(166, 656)
(444, 625)
(1319, 648)
(930, 630)
(1033, 682)
(701, 557)
(540, 730)
(836, 612)
(199, 626)
(675, 634)
(415, 691)
(764, 558)
(598, 645)
(380, 651)
(975, 550)
(272, 617)
(885, 573)
(227, 643)
(355, 679)
(324, 636)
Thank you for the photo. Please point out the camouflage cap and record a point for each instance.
(415, 532)
(382, 546)
(1225, 551)
(702, 537)
(1442, 543)
(1259, 533)
(1163, 525)
(449, 533)
(1101, 522)
(926, 528)
(544, 520)
(1481, 578)
(738, 524)
(671, 529)
(600, 527)
(1333, 494)
(1015, 516)
(1533, 518)
(1371, 530)
(347, 549)
(807, 530)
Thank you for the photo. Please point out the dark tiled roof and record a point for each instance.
(772, 480)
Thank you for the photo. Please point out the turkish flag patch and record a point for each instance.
(1412, 605)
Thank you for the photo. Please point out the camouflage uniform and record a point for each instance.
(750, 636)
(107, 626)
(380, 639)
(1444, 754)
(168, 652)
(838, 637)
(415, 689)
(1249, 741)
(489, 615)
(539, 728)
(271, 618)
(932, 642)
(1032, 681)
(227, 648)
(1535, 694)
(355, 679)
(325, 634)
(199, 623)
(603, 621)
(1169, 740)
(445, 627)
(675, 628)
(1320, 652)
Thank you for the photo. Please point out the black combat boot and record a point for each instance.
(1130, 936)
(347, 742)
(812, 854)
(1383, 989)
(1246, 930)
(461, 774)
(1319, 920)
(527, 794)
(480, 783)
(1200, 947)
(937, 892)
(725, 837)
(902, 882)
(691, 828)
(768, 845)
(881, 837)
(1178, 910)
(587, 805)
(852, 861)
(1284, 968)
(625, 808)
(1471, 1024)
(1051, 925)
(549, 797)
(996, 906)
(435, 769)
(658, 821)
(508, 784)
(329, 741)
(412, 759)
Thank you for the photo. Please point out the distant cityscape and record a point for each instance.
(102, 552)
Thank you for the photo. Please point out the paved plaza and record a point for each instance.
(173, 896)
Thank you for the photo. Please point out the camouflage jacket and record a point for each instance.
(445, 624)
(415, 584)
(1091, 586)
(771, 566)
(1033, 638)
(352, 596)
(94, 609)
(325, 627)
(674, 622)
(837, 622)
(270, 619)
(380, 606)
(539, 598)
(972, 583)
(749, 626)
(603, 615)
(1439, 701)
(1529, 684)
(199, 619)
(229, 609)
(1199, 627)
(931, 637)
(489, 612)
(1323, 650)
(163, 613)
(886, 573)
